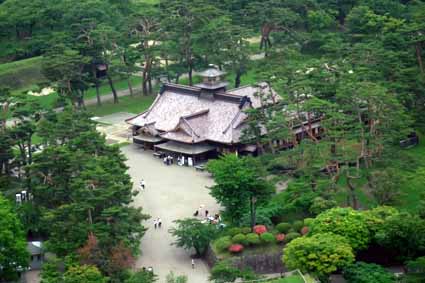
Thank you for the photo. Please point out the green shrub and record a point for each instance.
(290, 236)
(239, 239)
(267, 238)
(234, 231)
(283, 227)
(252, 239)
(298, 225)
(223, 243)
(361, 272)
(246, 230)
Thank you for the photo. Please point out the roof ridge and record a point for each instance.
(198, 113)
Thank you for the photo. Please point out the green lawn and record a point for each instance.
(22, 74)
(49, 100)
(135, 104)
(290, 279)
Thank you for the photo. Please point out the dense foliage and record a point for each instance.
(238, 186)
(345, 222)
(191, 233)
(13, 256)
(320, 254)
(361, 272)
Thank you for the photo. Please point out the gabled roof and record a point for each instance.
(181, 113)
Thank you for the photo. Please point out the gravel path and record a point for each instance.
(172, 192)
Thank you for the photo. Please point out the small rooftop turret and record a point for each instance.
(212, 80)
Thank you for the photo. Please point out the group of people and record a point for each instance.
(181, 160)
(168, 160)
(212, 219)
(157, 223)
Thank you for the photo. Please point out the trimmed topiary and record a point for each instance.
(233, 231)
(304, 230)
(283, 227)
(239, 239)
(246, 230)
(260, 229)
(252, 239)
(298, 225)
(291, 236)
(223, 243)
(280, 238)
(267, 238)
(236, 248)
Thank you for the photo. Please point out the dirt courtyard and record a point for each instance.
(172, 192)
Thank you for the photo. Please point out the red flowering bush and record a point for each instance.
(260, 229)
(304, 230)
(236, 248)
(280, 238)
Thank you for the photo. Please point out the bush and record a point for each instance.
(233, 231)
(239, 239)
(246, 230)
(298, 225)
(304, 230)
(236, 248)
(362, 272)
(267, 238)
(252, 239)
(224, 272)
(280, 238)
(321, 254)
(346, 222)
(291, 236)
(260, 229)
(223, 243)
(283, 227)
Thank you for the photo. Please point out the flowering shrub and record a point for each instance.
(304, 230)
(260, 229)
(236, 248)
(280, 238)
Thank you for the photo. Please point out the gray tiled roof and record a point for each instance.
(180, 113)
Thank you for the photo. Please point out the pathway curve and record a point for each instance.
(172, 192)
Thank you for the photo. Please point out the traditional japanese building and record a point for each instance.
(199, 121)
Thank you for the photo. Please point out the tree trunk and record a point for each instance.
(150, 84)
(238, 79)
(130, 86)
(252, 212)
(190, 74)
(98, 100)
(355, 204)
(114, 92)
(419, 56)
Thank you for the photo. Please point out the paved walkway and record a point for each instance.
(172, 192)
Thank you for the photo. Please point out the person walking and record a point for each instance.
(155, 223)
(142, 184)
(193, 263)
(206, 212)
(159, 222)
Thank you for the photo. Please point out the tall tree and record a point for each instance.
(14, 256)
(239, 186)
